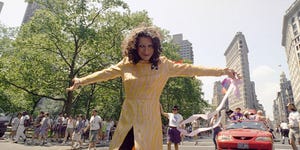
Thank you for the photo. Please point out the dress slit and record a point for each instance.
(128, 143)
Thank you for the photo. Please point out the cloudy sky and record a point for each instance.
(210, 26)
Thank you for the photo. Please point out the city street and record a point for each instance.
(203, 144)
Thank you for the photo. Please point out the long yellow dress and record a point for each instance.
(141, 107)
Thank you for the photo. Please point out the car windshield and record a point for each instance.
(247, 125)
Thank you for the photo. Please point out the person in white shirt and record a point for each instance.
(173, 133)
(70, 128)
(94, 127)
(14, 125)
(21, 128)
(294, 120)
(284, 131)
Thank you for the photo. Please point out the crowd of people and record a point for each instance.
(62, 129)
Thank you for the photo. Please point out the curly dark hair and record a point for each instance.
(130, 45)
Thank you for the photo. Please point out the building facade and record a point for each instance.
(1, 6)
(237, 59)
(217, 94)
(186, 49)
(284, 96)
(30, 9)
(291, 43)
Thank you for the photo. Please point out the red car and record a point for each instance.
(245, 135)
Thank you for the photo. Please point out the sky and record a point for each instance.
(210, 25)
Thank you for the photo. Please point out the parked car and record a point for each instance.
(245, 134)
(4, 121)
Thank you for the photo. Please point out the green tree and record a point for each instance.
(65, 39)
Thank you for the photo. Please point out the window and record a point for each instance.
(293, 19)
(294, 27)
(295, 33)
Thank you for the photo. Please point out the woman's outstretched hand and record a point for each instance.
(232, 74)
(76, 84)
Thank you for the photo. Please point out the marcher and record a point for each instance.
(45, 126)
(69, 130)
(58, 128)
(109, 126)
(37, 127)
(173, 133)
(294, 120)
(284, 131)
(216, 130)
(94, 127)
(79, 127)
(14, 125)
(195, 126)
(85, 134)
(21, 128)
(144, 73)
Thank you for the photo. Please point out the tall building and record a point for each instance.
(291, 43)
(31, 8)
(217, 94)
(284, 96)
(1, 6)
(237, 59)
(255, 103)
(186, 49)
(217, 98)
(276, 112)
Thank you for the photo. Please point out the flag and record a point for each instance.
(225, 85)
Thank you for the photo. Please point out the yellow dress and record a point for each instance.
(141, 107)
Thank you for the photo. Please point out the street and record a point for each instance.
(204, 143)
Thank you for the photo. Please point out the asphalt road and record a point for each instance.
(203, 144)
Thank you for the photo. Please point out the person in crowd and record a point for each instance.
(14, 125)
(294, 120)
(144, 74)
(248, 115)
(236, 115)
(21, 128)
(109, 126)
(260, 116)
(69, 130)
(58, 127)
(173, 133)
(85, 134)
(64, 127)
(216, 129)
(195, 126)
(79, 127)
(94, 127)
(45, 126)
(284, 131)
(37, 127)
(102, 131)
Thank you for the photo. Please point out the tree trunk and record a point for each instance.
(68, 103)
(89, 100)
(35, 105)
